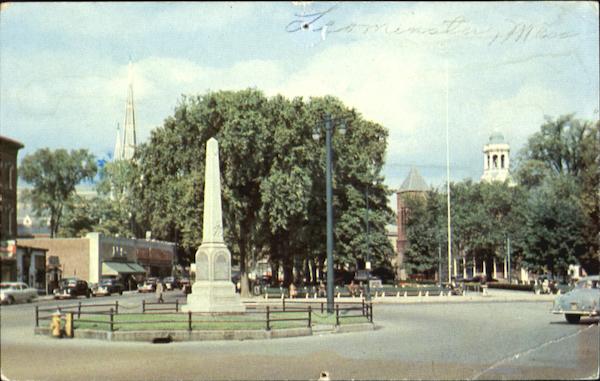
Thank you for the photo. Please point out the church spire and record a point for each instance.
(129, 139)
(118, 154)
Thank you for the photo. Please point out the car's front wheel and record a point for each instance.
(10, 300)
(572, 318)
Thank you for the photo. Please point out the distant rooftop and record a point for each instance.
(10, 142)
(414, 182)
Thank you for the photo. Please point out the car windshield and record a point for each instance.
(106, 281)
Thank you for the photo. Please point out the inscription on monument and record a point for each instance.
(202, 266)
(221, 267)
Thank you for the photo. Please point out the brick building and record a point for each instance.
(96, 256)
(8, 187)
(18, 263)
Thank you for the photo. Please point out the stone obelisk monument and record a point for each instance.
(213, 290)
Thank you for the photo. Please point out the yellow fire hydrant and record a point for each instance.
(55, 324)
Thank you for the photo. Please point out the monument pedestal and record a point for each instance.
(217, 296)
(213, 290)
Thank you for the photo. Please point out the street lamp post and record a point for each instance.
(329, 199)
(508, 254)
(329, 196)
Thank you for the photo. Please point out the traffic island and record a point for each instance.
(162, 325)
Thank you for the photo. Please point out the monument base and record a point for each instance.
(215, 296)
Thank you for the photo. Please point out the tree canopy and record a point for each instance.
(560, 166)
(550, 215)
(272, 178)
(54, 175)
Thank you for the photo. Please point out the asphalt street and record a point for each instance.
(477, 340)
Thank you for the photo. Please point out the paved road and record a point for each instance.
(485, 340)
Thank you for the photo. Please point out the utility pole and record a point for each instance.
(448, 183)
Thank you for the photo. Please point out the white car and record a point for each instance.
(582, 301)
(13, 292)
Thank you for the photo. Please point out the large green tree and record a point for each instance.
(551, 216)
(483, 217)
(272, 175)
(425, 232)
(115, 205)
(79, 217)
(112, 211)
(555, 226)
(54, 175)
(563, 158)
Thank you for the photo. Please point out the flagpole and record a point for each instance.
(448, 183)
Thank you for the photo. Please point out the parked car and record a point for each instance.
(170, 283)
(149, 285)
(583, 300)
(72, 288)
(108, 287)
(14, 292)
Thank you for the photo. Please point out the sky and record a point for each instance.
(416, 68)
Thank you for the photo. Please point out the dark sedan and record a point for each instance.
(72, 288)
(108, 287)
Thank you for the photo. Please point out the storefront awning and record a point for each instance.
(116, 268)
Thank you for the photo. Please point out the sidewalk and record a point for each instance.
(490, 296)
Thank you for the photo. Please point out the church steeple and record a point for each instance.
(129, 142)
(118, 154)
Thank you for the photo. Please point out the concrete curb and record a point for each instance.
(463, 299)
(166, 336)
(354, 328)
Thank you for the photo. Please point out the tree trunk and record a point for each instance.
(288, 272)
(244, 284)
(53, 228)
(313, 270)
(305, 271)
(274, 271)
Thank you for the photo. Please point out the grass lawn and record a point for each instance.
(179, 321)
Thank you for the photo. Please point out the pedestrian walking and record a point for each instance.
(159, 292)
